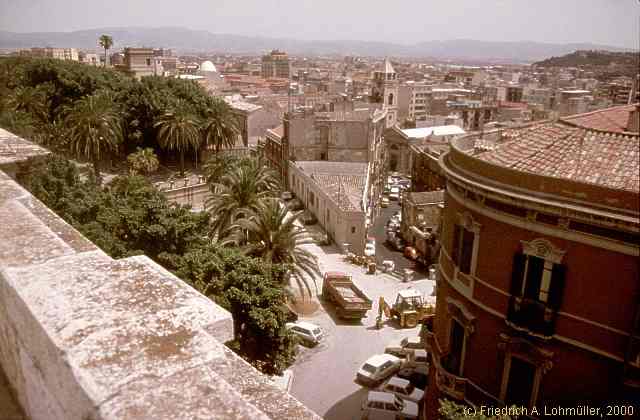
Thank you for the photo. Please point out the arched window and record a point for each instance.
(391, 99)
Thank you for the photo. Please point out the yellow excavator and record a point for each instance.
(409, 309)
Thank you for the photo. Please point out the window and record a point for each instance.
(462, 248)
(456, 347)
(538, 277)
(391, 99)
(520, 383)
(148, 61)
(353, 229)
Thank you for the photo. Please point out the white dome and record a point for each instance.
(208, 66)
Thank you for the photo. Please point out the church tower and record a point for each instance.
(385, 91)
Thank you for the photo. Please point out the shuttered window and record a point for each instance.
(537, 279)
(462, 248)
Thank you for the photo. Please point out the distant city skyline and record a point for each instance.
(615, 23)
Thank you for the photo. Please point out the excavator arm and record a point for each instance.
(383, 308)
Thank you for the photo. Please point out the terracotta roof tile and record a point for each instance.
(613, 119)
(561, 150)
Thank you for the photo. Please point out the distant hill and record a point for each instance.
(583, 58)
(186, 40)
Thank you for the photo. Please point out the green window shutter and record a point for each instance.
(556, 288)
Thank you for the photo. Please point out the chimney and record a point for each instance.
(633, 125)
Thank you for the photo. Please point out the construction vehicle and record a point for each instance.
(350, 301)
(409, 309)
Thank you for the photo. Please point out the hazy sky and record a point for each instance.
(611, 22)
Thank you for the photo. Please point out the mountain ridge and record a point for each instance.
(187, 40)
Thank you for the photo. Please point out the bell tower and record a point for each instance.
(385, 91)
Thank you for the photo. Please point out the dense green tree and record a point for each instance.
(249, 289)
(129, 216)
(95, 128)
(273, 235)
(143, 161)
(105, 42)
(178, 130)
(239, 191)
(219, 126)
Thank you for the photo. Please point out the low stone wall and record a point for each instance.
(87, 337)
(193, 195)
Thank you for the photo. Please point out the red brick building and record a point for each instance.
(538, 294)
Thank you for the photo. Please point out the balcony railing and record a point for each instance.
(531, 315)
(452, 385)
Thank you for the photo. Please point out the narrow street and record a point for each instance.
(323, 376)
(386, 252)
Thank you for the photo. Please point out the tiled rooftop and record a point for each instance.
(344, 182)
(560, 150)
(613, 119)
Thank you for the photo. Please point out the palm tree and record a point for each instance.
(106, 42)
(273, 236)
(95, 128)
(31, 101)
(143, 161)
(179, 130)
(239, 191)
(220, 126)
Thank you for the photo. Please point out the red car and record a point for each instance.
(411, 253)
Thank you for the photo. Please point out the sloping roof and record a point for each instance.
(561, 150)
(343, 182)
(610, 119)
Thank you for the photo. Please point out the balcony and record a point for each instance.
(452, 385)
(531, 315)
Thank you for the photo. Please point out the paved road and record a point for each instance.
(385, 252)
(324, 376)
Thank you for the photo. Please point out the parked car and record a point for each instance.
(286, 195)
(295, 205)
(389, 406)
(403, 347)
(403, 389)
(384, 202)
(397, 244)
(411, 253)
(394, 193)
(378, 368)
(370, 250)
(417, 361)
(417, 379)
(309, 333)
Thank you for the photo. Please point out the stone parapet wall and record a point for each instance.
(87, 337)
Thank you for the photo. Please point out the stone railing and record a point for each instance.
(87, 337)
(450, 384)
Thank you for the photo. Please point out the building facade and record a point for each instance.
(538, 295)
(69, 54)
(385, 91)
(140, 62)
(276, 64)
(337, 193)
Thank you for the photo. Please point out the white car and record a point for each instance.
(384, 202)
(377, 368)
(394, 193)
(370, 250)
(380, 405)
(402, 388)
(403, 347)
(417, 361)
(308, 332)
